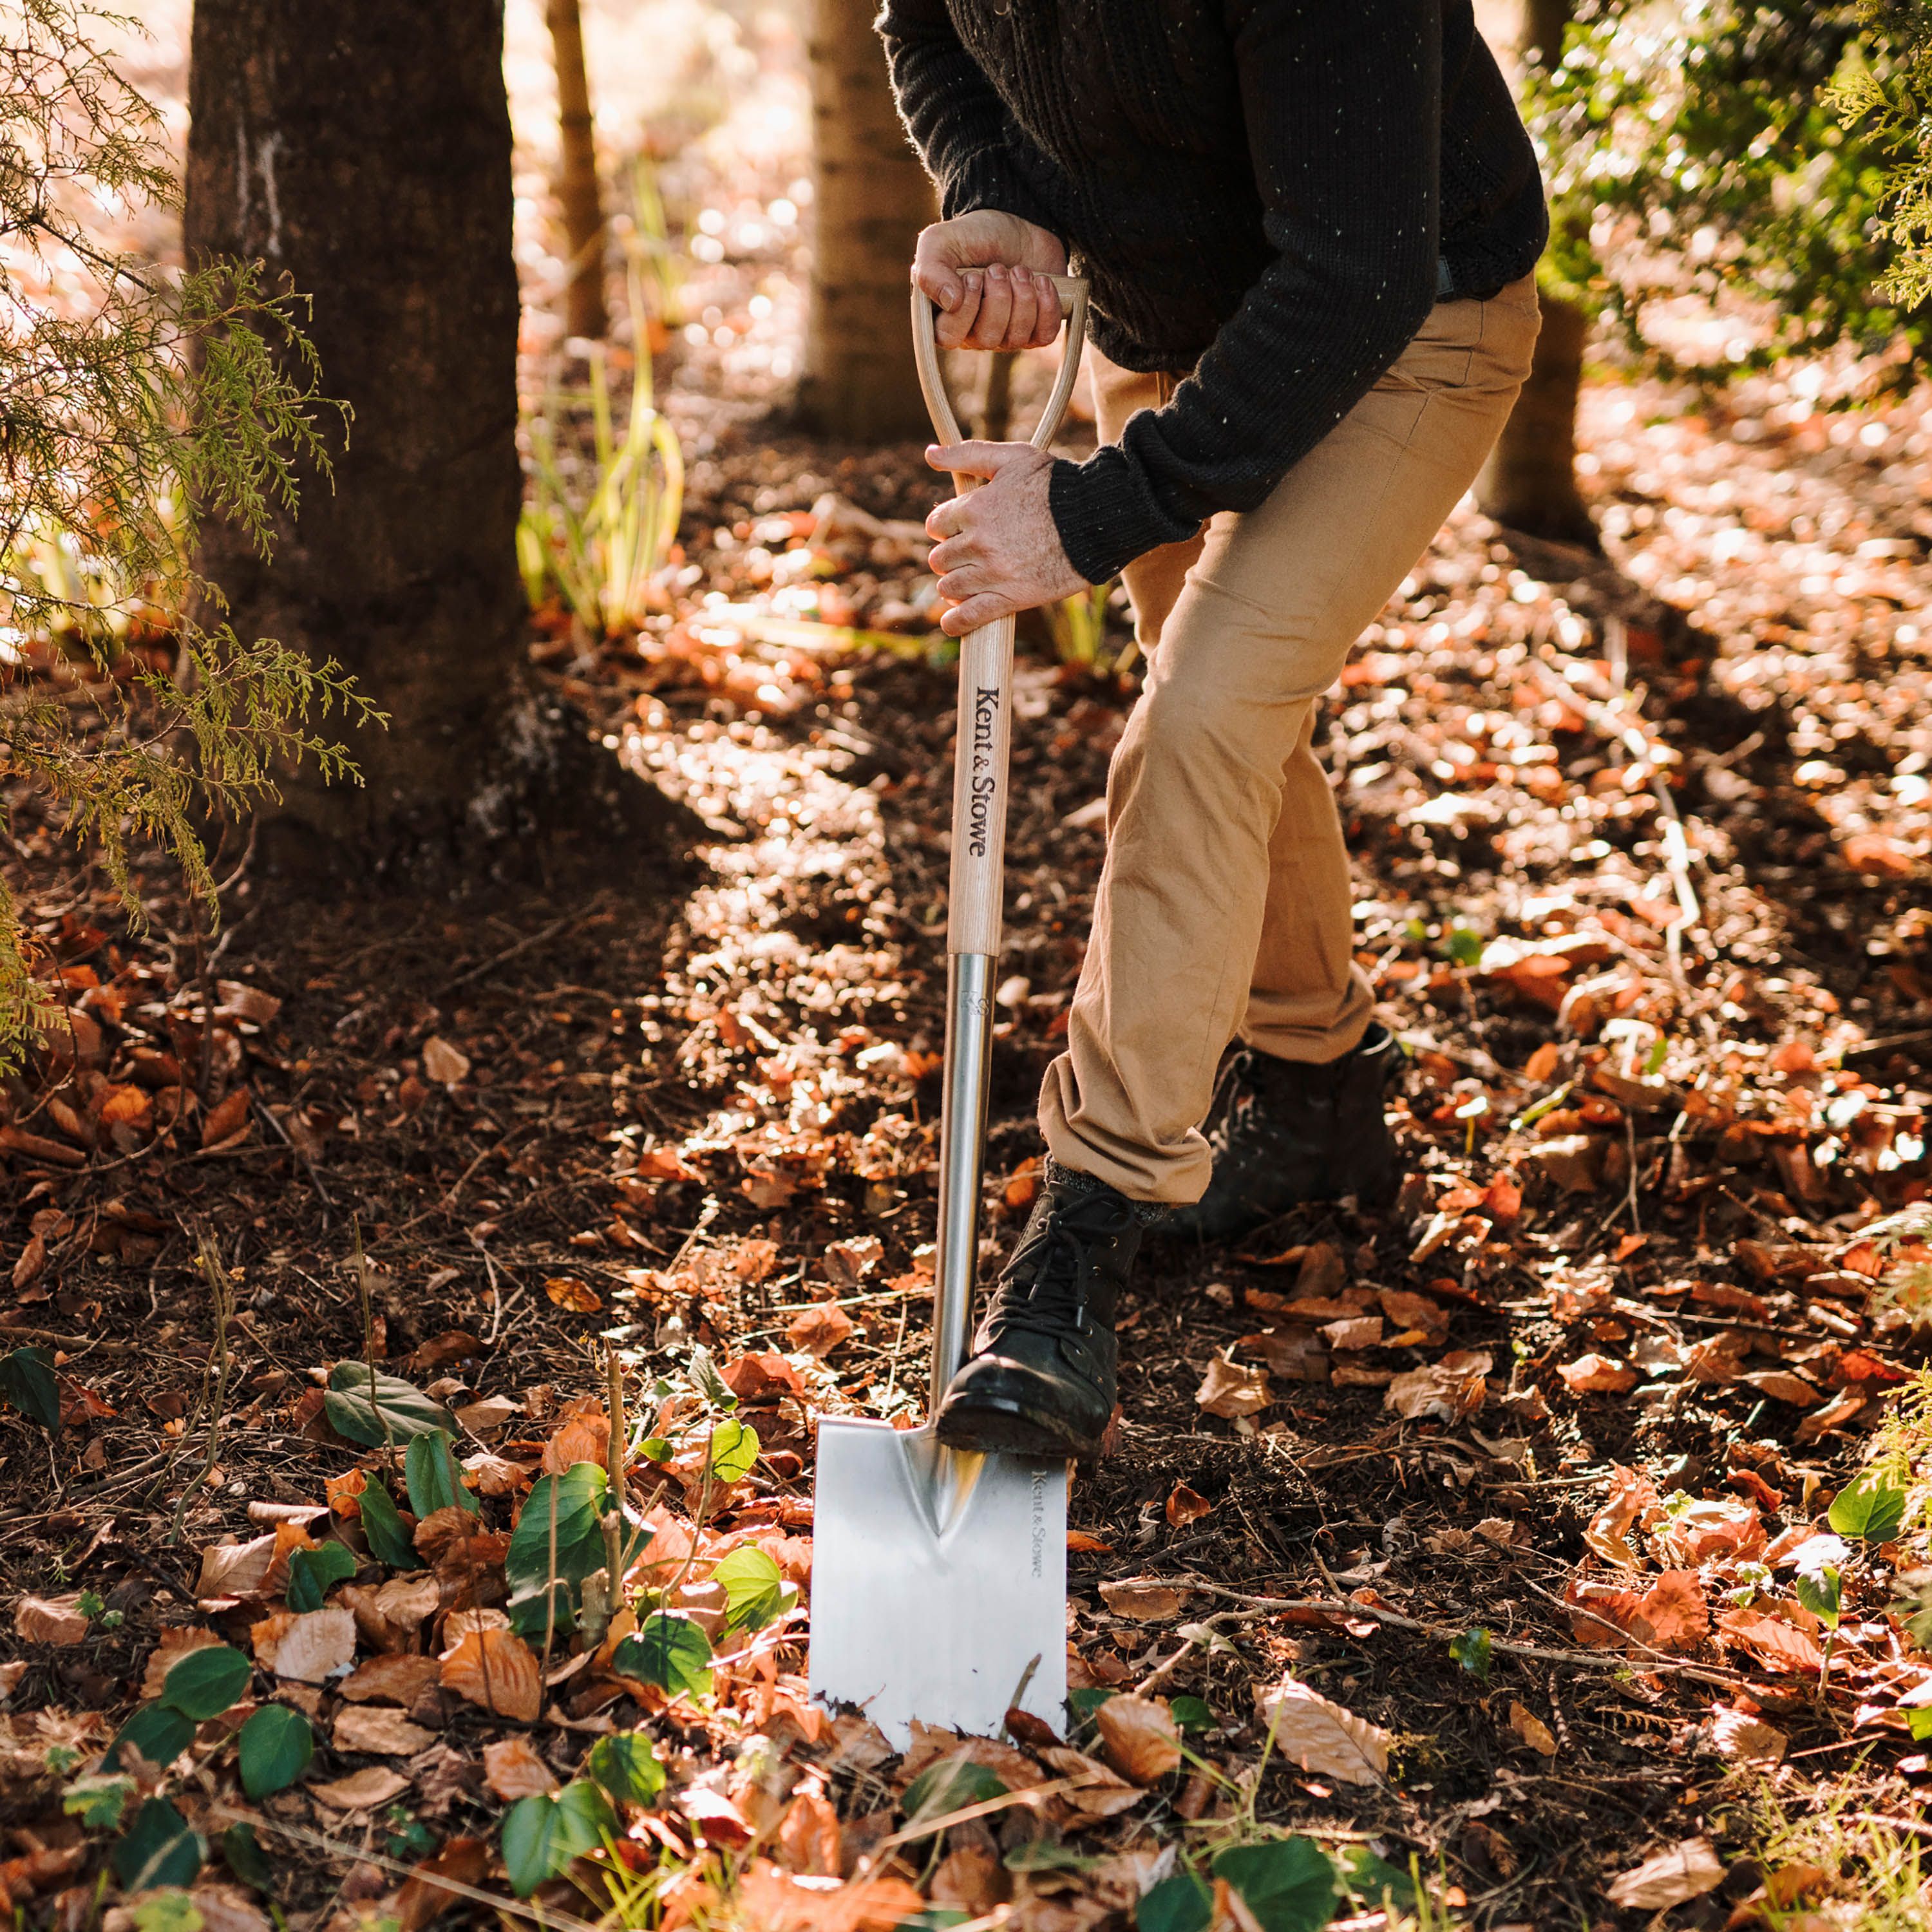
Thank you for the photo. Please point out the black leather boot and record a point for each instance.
(1040, 1380)
(1285, 1132)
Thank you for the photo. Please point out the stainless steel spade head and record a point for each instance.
(938, 1581)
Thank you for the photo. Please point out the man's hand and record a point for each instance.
(987, 272)
(997, 550)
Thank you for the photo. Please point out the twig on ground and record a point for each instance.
(224, 1299)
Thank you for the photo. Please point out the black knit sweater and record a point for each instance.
(1269, 194)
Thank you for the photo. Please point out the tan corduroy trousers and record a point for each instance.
(1224, 908)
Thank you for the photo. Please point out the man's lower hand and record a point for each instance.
(987, 272)
(997, 550)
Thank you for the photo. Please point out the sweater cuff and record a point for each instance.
(1105, 515)
(987, 180)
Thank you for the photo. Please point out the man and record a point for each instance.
(1310, 228)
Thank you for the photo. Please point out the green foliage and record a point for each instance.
(733, 1449)
(1180, 1904)
(27, 1375)
(1287, 1884)
(155, 1732)
(626, 1766)
(1873, 1508)
(580, 1494)
(435, 1482)
(669, 1651)
(202, 1684)
(543, 1833)
(159, 1849)
(276, 1745)
(1887, 104)
(138, 403)
(1711, 143)
(755, 1591)
(1078, 626)
(1471, 1649)
(241, 1852)
(100, 1800)
(952, 1784)
(384, 1531)
(312, 1573)
(1191, 1714)
(376, 1408)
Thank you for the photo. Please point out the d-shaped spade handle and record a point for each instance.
(1072, 290)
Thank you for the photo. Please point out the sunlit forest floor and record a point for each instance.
(1520, 1479)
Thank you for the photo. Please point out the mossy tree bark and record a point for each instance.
(586, 314)
(870, 199)
(1529, 483)
(362, 152)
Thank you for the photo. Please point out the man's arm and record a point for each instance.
(961, 127)
(1343, 106)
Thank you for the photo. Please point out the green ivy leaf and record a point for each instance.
(950, 1786)
(755, 1590)
(434, 1480)
(1181, 1903)
(408, 1411)
(99, 1801)
(1289, 1884)
(27, 1382)
(1872, 1507)
(277, 1744)
(158, 1849)
(202, 1684)
(312, 1573)
(543, 1833)
(159, 1734)
(387, 1535)
(1471, 1648)
(1191, 1714)
(734, 1448)
(668, 1651)
(625, 1765)
(241, 1852)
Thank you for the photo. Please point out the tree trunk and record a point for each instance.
(362, 152)
(583, 204)
(1529, 483)
(870, 199)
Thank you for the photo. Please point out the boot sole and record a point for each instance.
(994, 1427)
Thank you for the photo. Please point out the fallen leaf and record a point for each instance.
(308, 1646)
(1357, 1331)
(236, 1569)
(762, 1378)
(1450, 1389)
(1672, 1614)
(391, 1679)
(1774, 1642)
(1739, 1735)
(1717, 1528)
(849, 1262)
(1230, 1390)
(1686, 1871)
(513, 1769)
(52, 1620)
(1184, 1506)
(1098, 1790)
(362, 1790)
(462, 1861)
(1631, 1494)
(446, 1065)
(380, 1729)
(818, 1331)
(1597, 1375)
(1322, 1737)
(580, 1438)
(175, 1641)
(778, 1901)
(809, 1838)
(1414, 1312)
(1533, 1731)
(568, 1292)
(1139, 1737)
(496, 1670)
(228, 1122)
(1142, 1600)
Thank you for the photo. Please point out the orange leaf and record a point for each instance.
(1184, 1506)
(512, 1769)
(818, 1331)
(578, 1297)
(465, 1861)
(496, 1670)
(1139, 1737)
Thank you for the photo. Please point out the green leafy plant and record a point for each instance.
(276, 1745)
(384, 1530)
(138, 404)
(203, 1683)
(1471, 1649)
(626, 1767)
(544, 1833)
(377, 1409)
(669, 1651)
(1873, 1508)
(27, 1383)
(433, 1475)
(312, 1573)
(564, 1514)
(158, 1848)
(1078, 626)
(755, 1591)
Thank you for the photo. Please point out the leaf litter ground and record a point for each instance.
(1520, 1532)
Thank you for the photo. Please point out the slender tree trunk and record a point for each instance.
(871, 200)
(361, 151)
(582, 204)
(1529, 483)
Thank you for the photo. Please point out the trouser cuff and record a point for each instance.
(1071, 1180)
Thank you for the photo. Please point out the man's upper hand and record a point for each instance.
(987, 272)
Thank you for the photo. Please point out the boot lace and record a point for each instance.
(1043, 1289)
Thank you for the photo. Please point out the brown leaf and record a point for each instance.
(496, 1670)
(1533, 1731)
(1774, 1642)
(1714, 1529)
(809, 1839)
(227, 1123)
(52, 1620)
(1322, 1737)
(568, 1292)
(448, 1065)
(1450, 1389)
(1098, 1792)
(1688, 1870)
(308, 1646)
(512, 1769)
(775, 1901)
(343, 1492)
(818, 1330)
(389, 1679)
(176, 1642)
(1414, 1312)
(1631, 1494)
(849, 1262)
(463, 1861)
(380, 1729)
(1739, 1735)
(1139, 1737)
(236, 1569)
(580, 1438)
(1184, 1506)
(1597, 1375)
(762, 1378)
(1229, 1391)
(1357, 1331)
(1143, 1601)
(1781, 1385)
(366, 1790)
